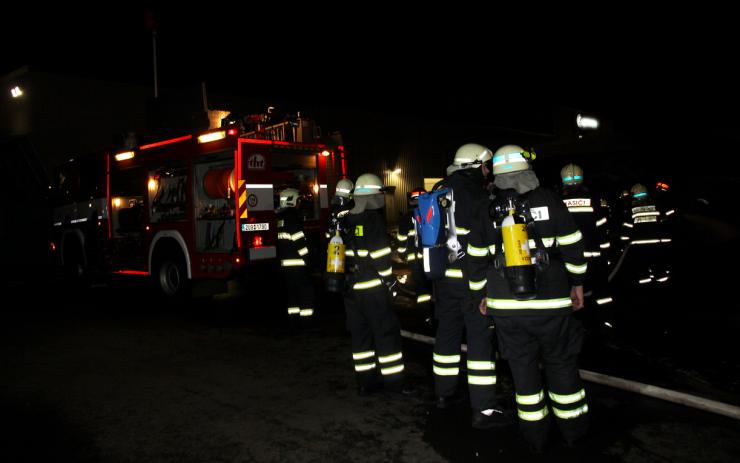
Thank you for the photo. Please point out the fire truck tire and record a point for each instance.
(172, 277)
(74, 262)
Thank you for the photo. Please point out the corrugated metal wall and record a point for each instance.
(400, 171)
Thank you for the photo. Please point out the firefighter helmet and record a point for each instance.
(289, 197)
(471, 155)
(414, 194)
(638, 191)
(368, 184)
(344, 188)
(571, 175)
(512, 158)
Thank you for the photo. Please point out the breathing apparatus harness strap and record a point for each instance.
(540, 255)
(453, 244)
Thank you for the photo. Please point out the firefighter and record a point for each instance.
(293, 253)
(376, 333)
(409, 252)
(644, 232)
(454, 308)
(591, 219)
(539, 329)
(341, 204)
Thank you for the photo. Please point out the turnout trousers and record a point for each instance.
(376, 337)
(300, 291)
(422, 286)
(455, 312)
(554, 341)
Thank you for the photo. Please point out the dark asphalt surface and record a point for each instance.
(113, 374)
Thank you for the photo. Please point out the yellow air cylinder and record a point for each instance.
(335, 255)
(516, 242)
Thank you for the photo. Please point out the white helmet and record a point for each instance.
(368, 184)
(638, 191)
(571, 175)
(511, 158)
(344, 188)
(471, 155)
(289, 197)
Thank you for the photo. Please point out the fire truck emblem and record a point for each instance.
(252, 200)
(256, 162)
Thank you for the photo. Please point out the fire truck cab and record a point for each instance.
(194, 207)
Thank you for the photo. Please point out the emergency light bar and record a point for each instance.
(124, 156)
(213, 136)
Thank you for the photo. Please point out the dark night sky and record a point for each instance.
(656, 79)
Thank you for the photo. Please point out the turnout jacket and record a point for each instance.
(369, 248)
(644, 225)
(292, 245)
(469, 196)
(590, 218)
(567, 266)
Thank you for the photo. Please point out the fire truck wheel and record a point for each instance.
(173, 277)
(74, 262)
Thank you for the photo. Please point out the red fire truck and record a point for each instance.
(197, 207)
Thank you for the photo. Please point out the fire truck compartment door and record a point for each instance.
(259, 197)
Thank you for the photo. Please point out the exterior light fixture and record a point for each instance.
(16, 92)
(585, 122)
(213, 136)
(396, 171)
(325, 153)
(124, 156)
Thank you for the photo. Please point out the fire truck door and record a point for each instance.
(128, 218)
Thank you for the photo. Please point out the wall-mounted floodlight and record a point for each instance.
(124, 156)
(16, 92)
(585, 122)
(396, 172)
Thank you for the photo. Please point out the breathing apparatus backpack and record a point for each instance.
(436, 233)
(513, 258)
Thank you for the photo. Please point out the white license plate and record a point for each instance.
(255, 227)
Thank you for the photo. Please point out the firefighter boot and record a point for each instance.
(491, 418)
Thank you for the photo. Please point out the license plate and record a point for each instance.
(255, 227)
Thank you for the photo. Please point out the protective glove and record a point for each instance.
(390, 283)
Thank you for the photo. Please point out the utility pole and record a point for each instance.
(154, 54)
(151, 23)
